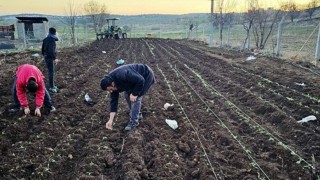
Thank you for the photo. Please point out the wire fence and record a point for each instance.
(299, 41)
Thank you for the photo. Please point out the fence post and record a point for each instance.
(247, 44)
(24, 36)
(318, 46)
(202, 31)
(211, 35)
(228, 34)
(279, 36)
(187, 36)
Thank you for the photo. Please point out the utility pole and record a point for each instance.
(279, 36)
(211, 25)
(318, 46)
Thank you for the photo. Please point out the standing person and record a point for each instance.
(30, 78)
(135, 80)
(49, 52)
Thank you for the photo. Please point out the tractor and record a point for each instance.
(111, 31)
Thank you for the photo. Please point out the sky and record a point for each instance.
(121, 7)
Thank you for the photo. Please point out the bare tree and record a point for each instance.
(312, 7)
(263, 25)
(72, 12)
(248, 19)
(98, 14)
(264, 21)
(224, 16)
(291, 8)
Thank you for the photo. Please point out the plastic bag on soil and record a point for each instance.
(172, 123)
(88, 100)
(308, 118)
(120, 62)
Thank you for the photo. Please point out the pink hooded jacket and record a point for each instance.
(24, 73)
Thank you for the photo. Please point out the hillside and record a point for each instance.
(148, 19)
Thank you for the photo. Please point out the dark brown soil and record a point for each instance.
(237, 119)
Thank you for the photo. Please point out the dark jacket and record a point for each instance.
(49, 48)
(135, 79)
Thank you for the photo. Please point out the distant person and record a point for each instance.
(134, 80)
(112, 29)
(49, 52)
(111, 35)
(191, 27)
(30, 79)
(190, 30)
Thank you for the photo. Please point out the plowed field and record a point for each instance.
(237, 119)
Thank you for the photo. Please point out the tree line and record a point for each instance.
(256, 18)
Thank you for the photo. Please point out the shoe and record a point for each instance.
(55, 87)
(131, 125)
(14, 110)
(53, 109)
(53, 90)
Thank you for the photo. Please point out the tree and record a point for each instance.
(247, 22)
(71, 12)
(98, 14)
(224, 17)
(263, 21)
(291, 8)
(263, 25)
(312, 7)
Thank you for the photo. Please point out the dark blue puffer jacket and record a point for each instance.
(48, 48)
(135, 79)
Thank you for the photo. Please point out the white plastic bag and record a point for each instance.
(168, 106)
(251, 58)
(300, 84)
(172, 123)
(308, 118)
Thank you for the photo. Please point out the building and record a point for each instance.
(32, 29)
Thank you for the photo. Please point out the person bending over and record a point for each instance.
(30, 79)
(132, 79)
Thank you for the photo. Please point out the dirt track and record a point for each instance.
(237, 119)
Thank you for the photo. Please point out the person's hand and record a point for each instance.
(37, 112)
(133, 98)
(26, 110)
(109, 125)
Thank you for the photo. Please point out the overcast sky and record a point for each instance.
(122, 7)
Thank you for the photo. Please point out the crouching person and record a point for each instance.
(132, 79)
(30, 79)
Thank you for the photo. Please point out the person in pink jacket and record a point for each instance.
(30, 79)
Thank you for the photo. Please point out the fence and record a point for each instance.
(298, 40)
